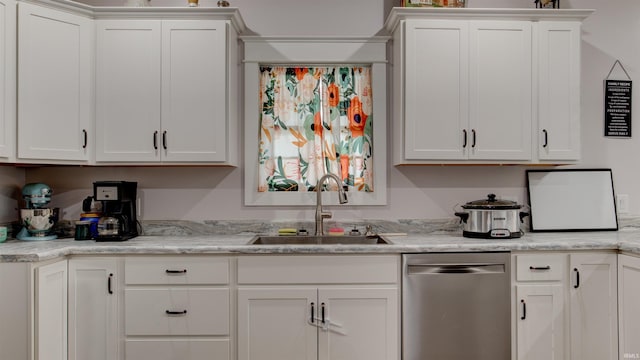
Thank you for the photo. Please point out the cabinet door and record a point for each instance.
(93, 309)
(358, 324)
(559, 90)
(7, 78)
(594, 310)
(436, 90)
(276, 323)
(540, 322)
(55, 83)
(128, 90)
(629, 310)
(50, 312)
(500, 90)
(194, 79)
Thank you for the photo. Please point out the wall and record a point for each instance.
(11, 181)
(414, 192)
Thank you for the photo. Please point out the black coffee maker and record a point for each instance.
(119, 215)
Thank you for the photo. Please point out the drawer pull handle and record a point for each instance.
(322, 311)
(169, 312)
(524, 310)
(464, 138)
(577, 285)
(540, 267)
(313, 313)
(183, 271)
(164, 140)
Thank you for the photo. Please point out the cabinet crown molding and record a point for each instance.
(231, 14)
(398, 14)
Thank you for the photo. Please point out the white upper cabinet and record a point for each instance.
(194, 91)
(500, 90)
(470, 99)
(166, 91)
(55, 101)
(466, 85)
(559, 90)
(440, 132)
(7, 80)
(128, 90)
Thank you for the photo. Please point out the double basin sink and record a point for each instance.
(319, 240)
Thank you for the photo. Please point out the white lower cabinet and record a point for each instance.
(50, 312)
(540, 330)
(318, 307)
(177, 307)
(566, 306)
(629, 306)
(169, 349)
(593, 307)
(95, 297)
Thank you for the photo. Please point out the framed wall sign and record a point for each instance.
(617, 105)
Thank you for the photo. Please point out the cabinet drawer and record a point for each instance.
(176, 270)
(275, 269)
(540, 267)
(205, 349)
(195, 311)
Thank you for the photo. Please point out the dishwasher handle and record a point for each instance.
(435, 269)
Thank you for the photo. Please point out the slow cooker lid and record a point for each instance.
(491, 203)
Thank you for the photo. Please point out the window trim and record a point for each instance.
(314, 51)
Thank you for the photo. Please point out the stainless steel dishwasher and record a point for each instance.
(456, 306)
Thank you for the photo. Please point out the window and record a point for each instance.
(315, 120)
(312, 106)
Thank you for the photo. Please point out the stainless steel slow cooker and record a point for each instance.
(491, 218)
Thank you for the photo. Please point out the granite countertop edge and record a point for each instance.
(34, 251)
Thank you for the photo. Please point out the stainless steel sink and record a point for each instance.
(318, 240)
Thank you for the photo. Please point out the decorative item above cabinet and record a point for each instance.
(485, 86)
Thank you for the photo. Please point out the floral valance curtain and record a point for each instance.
(313, 121)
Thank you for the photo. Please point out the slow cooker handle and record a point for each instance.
(523, 214)
(463, 216)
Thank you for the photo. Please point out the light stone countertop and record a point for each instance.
(627, 241)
